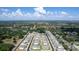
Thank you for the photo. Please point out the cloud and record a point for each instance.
(64, 13)
(49, 13)
(4, 10)
(4, 14)
(27, 14)
(40, 10)
(39, 13)
(18, 12)
(36, 14)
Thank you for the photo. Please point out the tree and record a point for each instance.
(6, 47)
(72, 40)
(14, 40)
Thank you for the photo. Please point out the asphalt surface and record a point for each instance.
(53, 40)
(40, 42)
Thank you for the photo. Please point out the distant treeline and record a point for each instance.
(38, 21)
(70, 29)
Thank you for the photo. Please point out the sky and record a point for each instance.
(39, 13)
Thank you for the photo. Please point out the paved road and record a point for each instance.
(54, 42)
(40, 42)
(24, 45)
(35, 42)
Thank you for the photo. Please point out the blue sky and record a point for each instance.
(39, 13)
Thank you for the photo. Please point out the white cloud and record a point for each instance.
(18, 12)
(27, 14)
(36, 14)
(4, 10)
(40, 10)
(64, 13)
(39, 13)
(49, 13)
(4, 14)
(13, 14)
